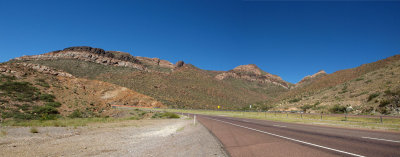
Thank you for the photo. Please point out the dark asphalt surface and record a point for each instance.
(249, 137)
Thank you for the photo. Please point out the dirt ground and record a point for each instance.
(169, 137)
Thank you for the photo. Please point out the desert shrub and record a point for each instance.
(267, 107)
(384, 103)
(47, 97)
(294, 100)
(306, 107)
(45, 112)
(24, 116)
(344, 89)
(359, 79)
(53, 104)
(372, 96)
(23, 107)
(42, 82)
(165, 115)
(337, 109)
(76, 114)
(20, 91)
(7, 78)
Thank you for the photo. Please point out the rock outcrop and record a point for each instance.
(155, 62)
(252, 73)
(179, 64)
(7, 70)
(89, 54)
(311, 78)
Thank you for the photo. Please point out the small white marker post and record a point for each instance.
(194, 120)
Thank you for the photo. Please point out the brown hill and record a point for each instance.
(311, 78)
(180, 85)
(48, 85)
(356, 88)
(253, 73)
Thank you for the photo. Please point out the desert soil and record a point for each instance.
(169, 137)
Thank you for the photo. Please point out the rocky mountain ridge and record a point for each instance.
(100, 56)
(253, 73)
(310, 78)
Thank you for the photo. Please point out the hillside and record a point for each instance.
(177, 85)
(183, 85)
(31, 91)
(368, 89)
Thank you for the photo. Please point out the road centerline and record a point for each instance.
(288, 138)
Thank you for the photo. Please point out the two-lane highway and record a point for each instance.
(249, 137)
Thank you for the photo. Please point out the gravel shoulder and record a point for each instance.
(168, 137)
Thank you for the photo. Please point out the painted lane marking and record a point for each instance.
(380, 139)
(279, 126)
(288, 138)
(245, 121)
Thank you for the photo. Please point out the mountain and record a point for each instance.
(368, 89)
(254, 74)
(33, 91)
(311, 78)
(175, 85)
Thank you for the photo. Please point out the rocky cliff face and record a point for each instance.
(311, 78)
(97, 55)
(155, 62)
(89, 54)
(252, 73)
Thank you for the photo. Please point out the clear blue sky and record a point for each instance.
(291, 39)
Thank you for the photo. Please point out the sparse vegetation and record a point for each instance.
(306, 107)
(20, 91)
(372, 96)
(42, 82)
(165, 115)
(294, 100)
(337, 109)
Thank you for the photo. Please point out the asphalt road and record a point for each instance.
(249, 137)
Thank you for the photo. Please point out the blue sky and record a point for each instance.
(291, 39)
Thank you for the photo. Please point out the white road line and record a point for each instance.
(380, 139)
(279, 126)
(288, 138)
(245, 121)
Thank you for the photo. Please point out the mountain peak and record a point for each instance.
(251, 68)
(310, 78)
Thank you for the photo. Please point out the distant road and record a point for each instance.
(249, 137)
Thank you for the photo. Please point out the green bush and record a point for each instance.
(47, 97)
(53, 104)
(359, 79)
(20, 91)
(306, 107)
(7, 78)
(165, 115)
(372, 96)
(294, 100)
(42, 82)
(76, 114)
(45, 112)
(337, 109)
(384, 103)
